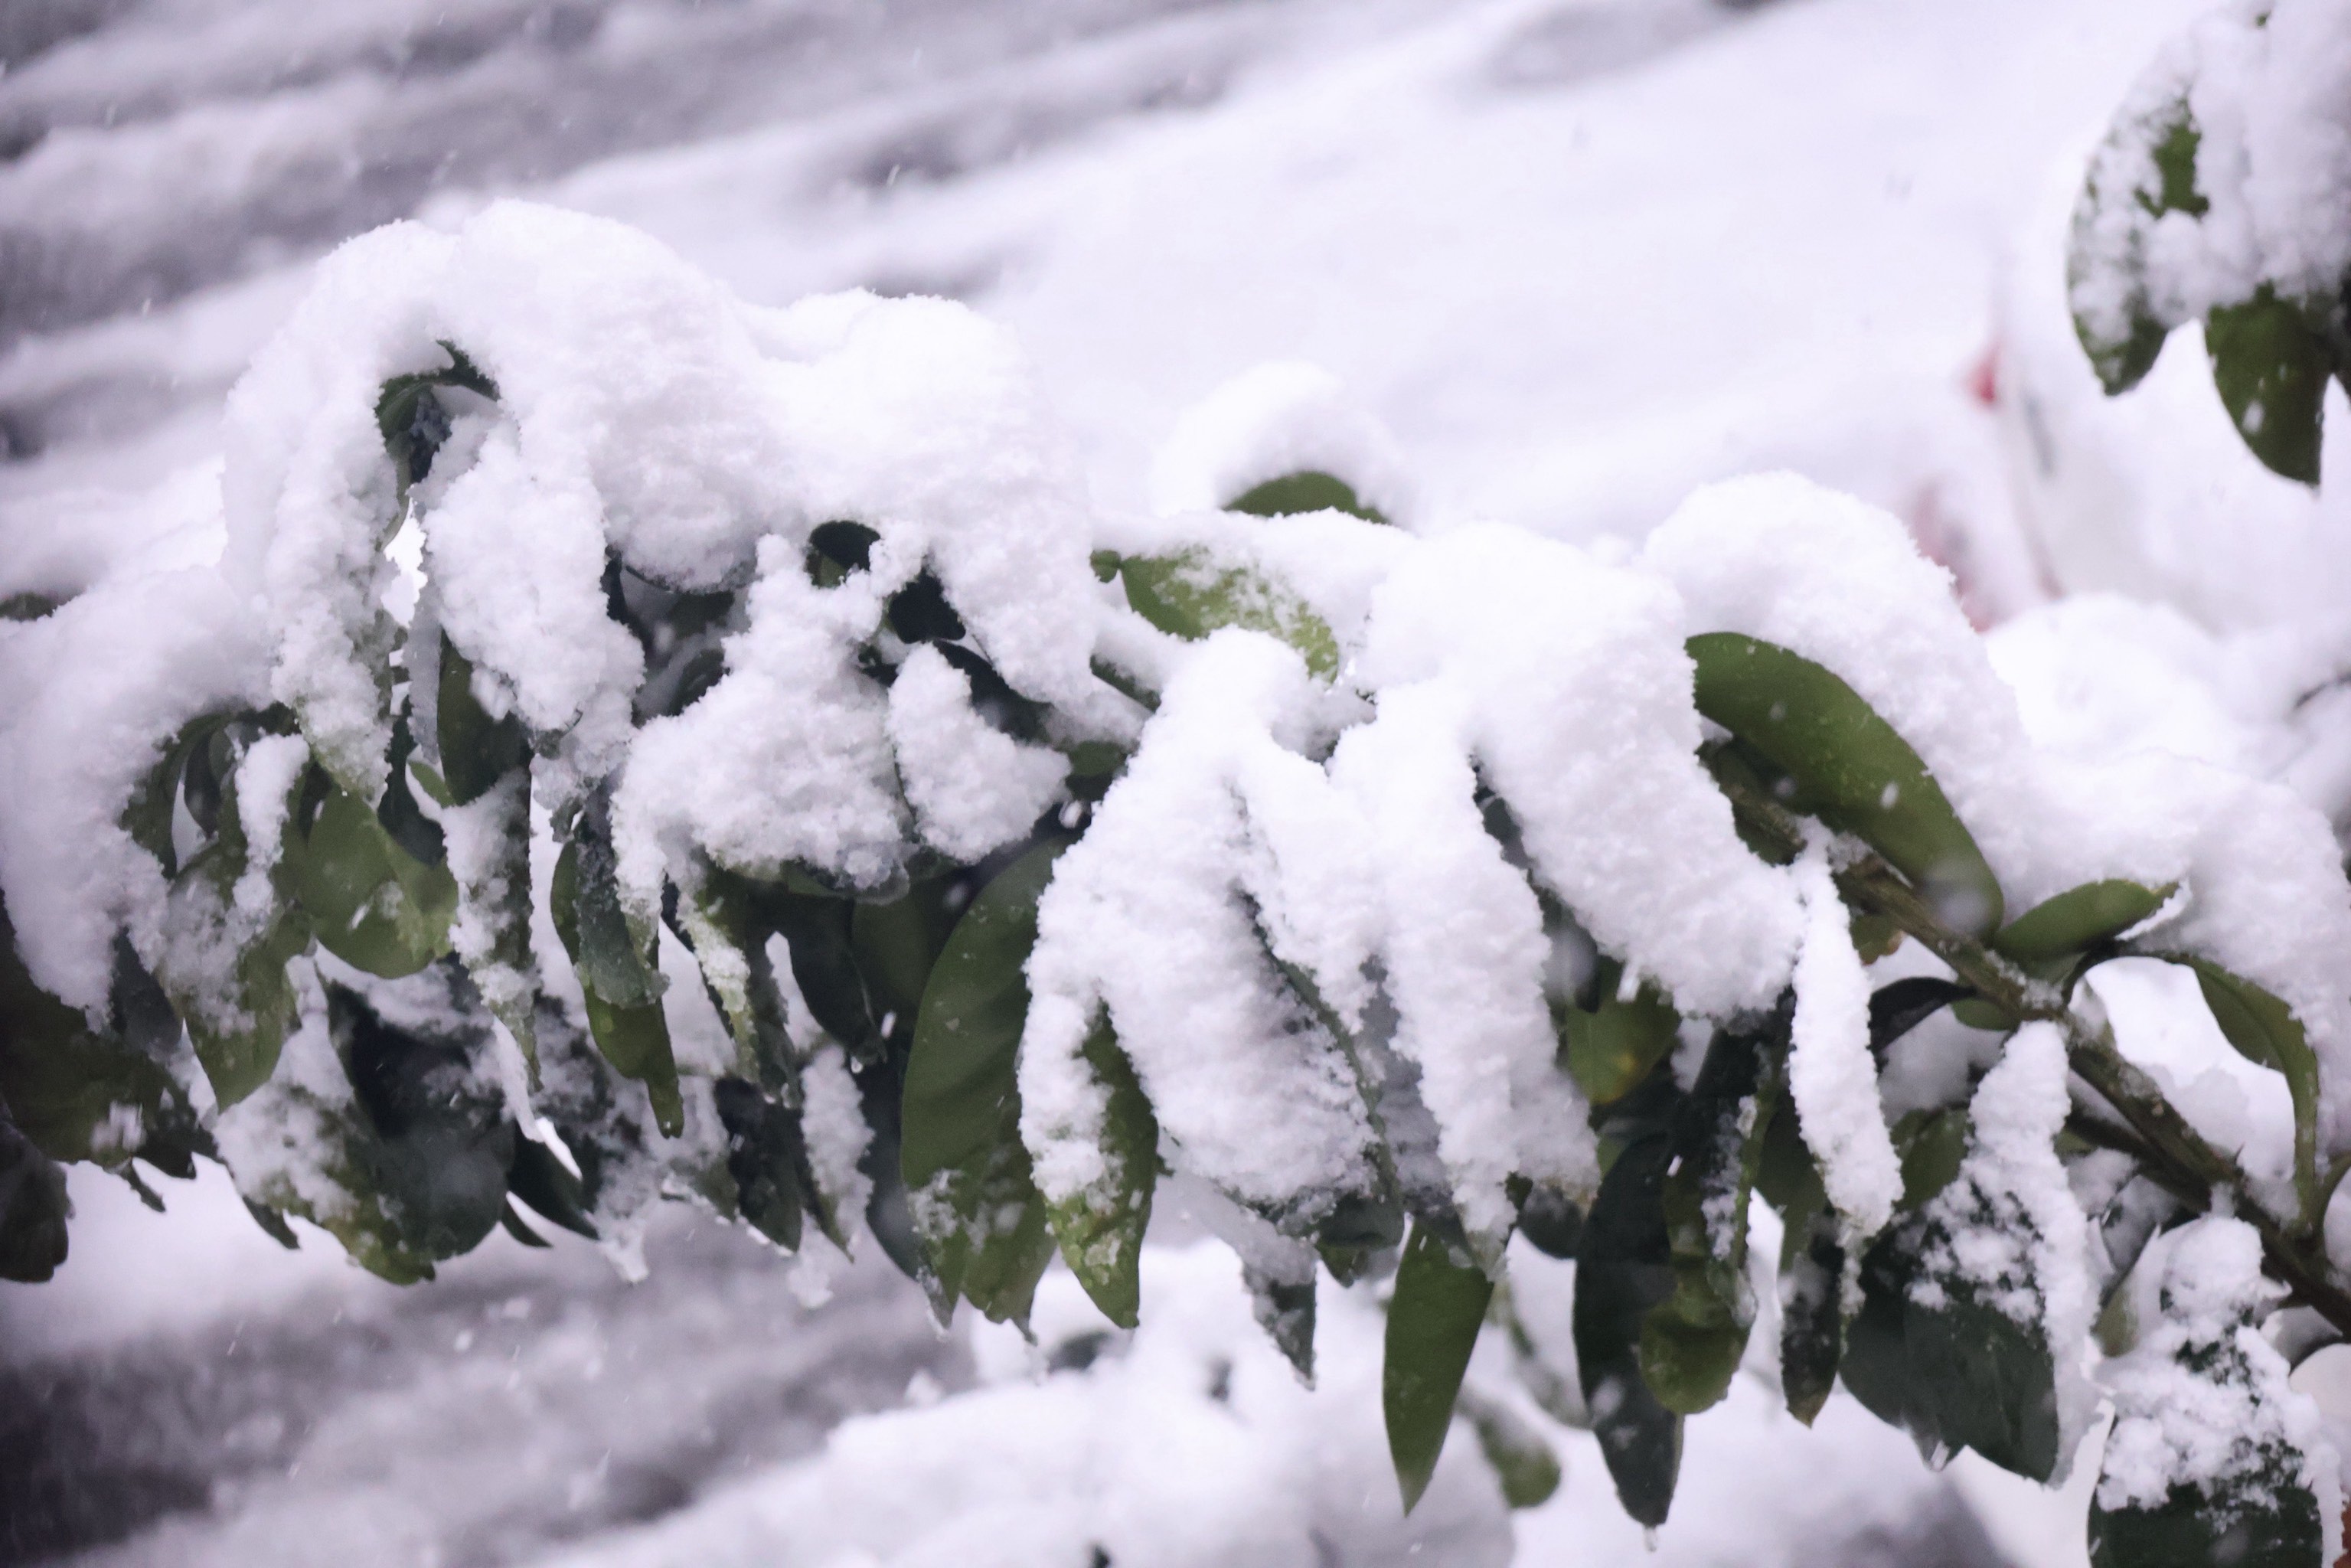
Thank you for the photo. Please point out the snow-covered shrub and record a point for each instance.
(636, 746)
(2223, 193)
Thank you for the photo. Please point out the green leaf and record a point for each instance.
(1615, 1044)
(895, 944)
(1811, 1268)
(1309, 490)
(1551, 1222)
(1433, 1322)
(2265, 1033)
(1284, 1309)
(1101, 1229)
(371, 904)
(477, 749)
(426, 1149)
(766, 1154)
(71, 1089)
(2077, 920)
(973, 1201)
(1524, 1462)
(1190, 594)
(1847, 766)
(633, 1036)
(2277, 1528)
(2171, 137)
(1691, 1342)
(539, 1178)
(1896, 1009)
(1624, 1269)
(1958, 1374)
(148, 815)
(413, 421)
(33, 1207)
(2271, 367)
(237, 1028)
(272, 1225)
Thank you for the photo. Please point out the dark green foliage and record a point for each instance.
(477, 747)
(1100, 1231)
(1623, 1270)
(973, 1201)
(1691, 1342)
(768, 1156)
(432, 1143)
(1433, 1322)
(2270, 367)
(33, 1207)
(1836, 758)
(1310, 490)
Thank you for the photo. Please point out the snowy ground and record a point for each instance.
(1579, 255)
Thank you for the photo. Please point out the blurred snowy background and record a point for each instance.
(1579, 255)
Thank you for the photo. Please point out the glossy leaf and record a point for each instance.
(1309, 490)
(1896, 1009)
(1616, 1043)
(1101, 1229)
(2077, 920)
(2265, 1033)
(766, 1154)
(370, 902)
(1846, 765)
(633, 1036)
(1624, 1269)
(1190, 594)
(973, 1201)
(1433, 1322)
(539, 1178)
(1691, 1342)
(2271, 367)
(477, 748)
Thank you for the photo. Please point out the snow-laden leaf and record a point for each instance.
(1309, 490)
(1101, 1227)
(766, 1154)
(2214, 1460)
(1190, 594)
(632, 1030)
(1844, 764)
(232, 925)
(1433, 1321)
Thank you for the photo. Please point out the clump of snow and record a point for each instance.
(1831, 1077)
(2009, 1229)
(1143, 918)
(1278, 419)
(2202, 1402)
(972, 787)
(2262, 83)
